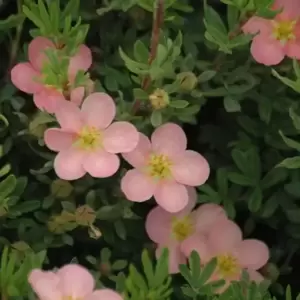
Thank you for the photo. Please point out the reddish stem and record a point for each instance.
(158, 20)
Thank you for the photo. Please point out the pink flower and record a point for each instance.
(69, 282)
(181, 232)
(224, 241)
(276, 38)
(27, 76)
(88, 141)
(164, 168)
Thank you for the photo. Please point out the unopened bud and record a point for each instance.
(187, 80)
(159, 99)
(94, 232)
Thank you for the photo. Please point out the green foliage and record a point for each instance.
(162, 61)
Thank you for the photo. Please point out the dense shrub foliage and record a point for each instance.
(149, 149)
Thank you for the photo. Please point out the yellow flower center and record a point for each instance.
(182, 228)
(89, 138)
(159, 166)
(71, 298)
(228, 265)
(284, 30)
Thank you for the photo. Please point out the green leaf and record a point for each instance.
(156, 118)
(295, 118)
(239, 179)
(137, 278)
(222, 181)
(26, 207)
(148, 267)
(7, 186)
(133, 66)
(293, 215)
(290, 163)
(291, 143)
(11, 21)
(161, 269)
(109, 212)
(255, 200)
(295, 85)
(270, 206)
(195, 266)
(232, 17)
(179, 104)
(140, 94)
(206, 76)
(120, 229)
(71, 9)
(265, 109)
(141, 52)
(273, 177)
(207, 271)
(231, 104)
(213, 19)
(119, 265)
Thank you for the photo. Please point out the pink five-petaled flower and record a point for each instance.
(88, 141)
(72, 282)
(27, 76)
(276, 38)
(181, 232)
(163, 169)
(224, 241)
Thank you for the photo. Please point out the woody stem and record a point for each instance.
(158, 19)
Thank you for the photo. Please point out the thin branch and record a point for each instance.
(158, 20)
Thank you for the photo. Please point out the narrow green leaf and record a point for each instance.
(255, 200)
(290, 163)
(207, 272)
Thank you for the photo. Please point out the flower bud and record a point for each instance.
(159, 99)
(187, 80)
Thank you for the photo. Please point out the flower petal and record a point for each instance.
(68, 164)
(208, 214)
(198, 243)
(57, 139)
(24, 77)
(293, 49)
(75, 281)
(101, 164)
(224, 236)
(104, 294)
(99, 110)
(69, 117)
(36, 51)
(171, 196)
(158, 225)
(137, 158)
(169, 139)
(45, 284)
(120, 137)
(82, 60)
(77, 95)
(257, 25)
(291, 8)
(176, 258)
(48, 100)
(137, 186)
(191, 169)
(252, 254)
(255, 276)
(267, 51)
